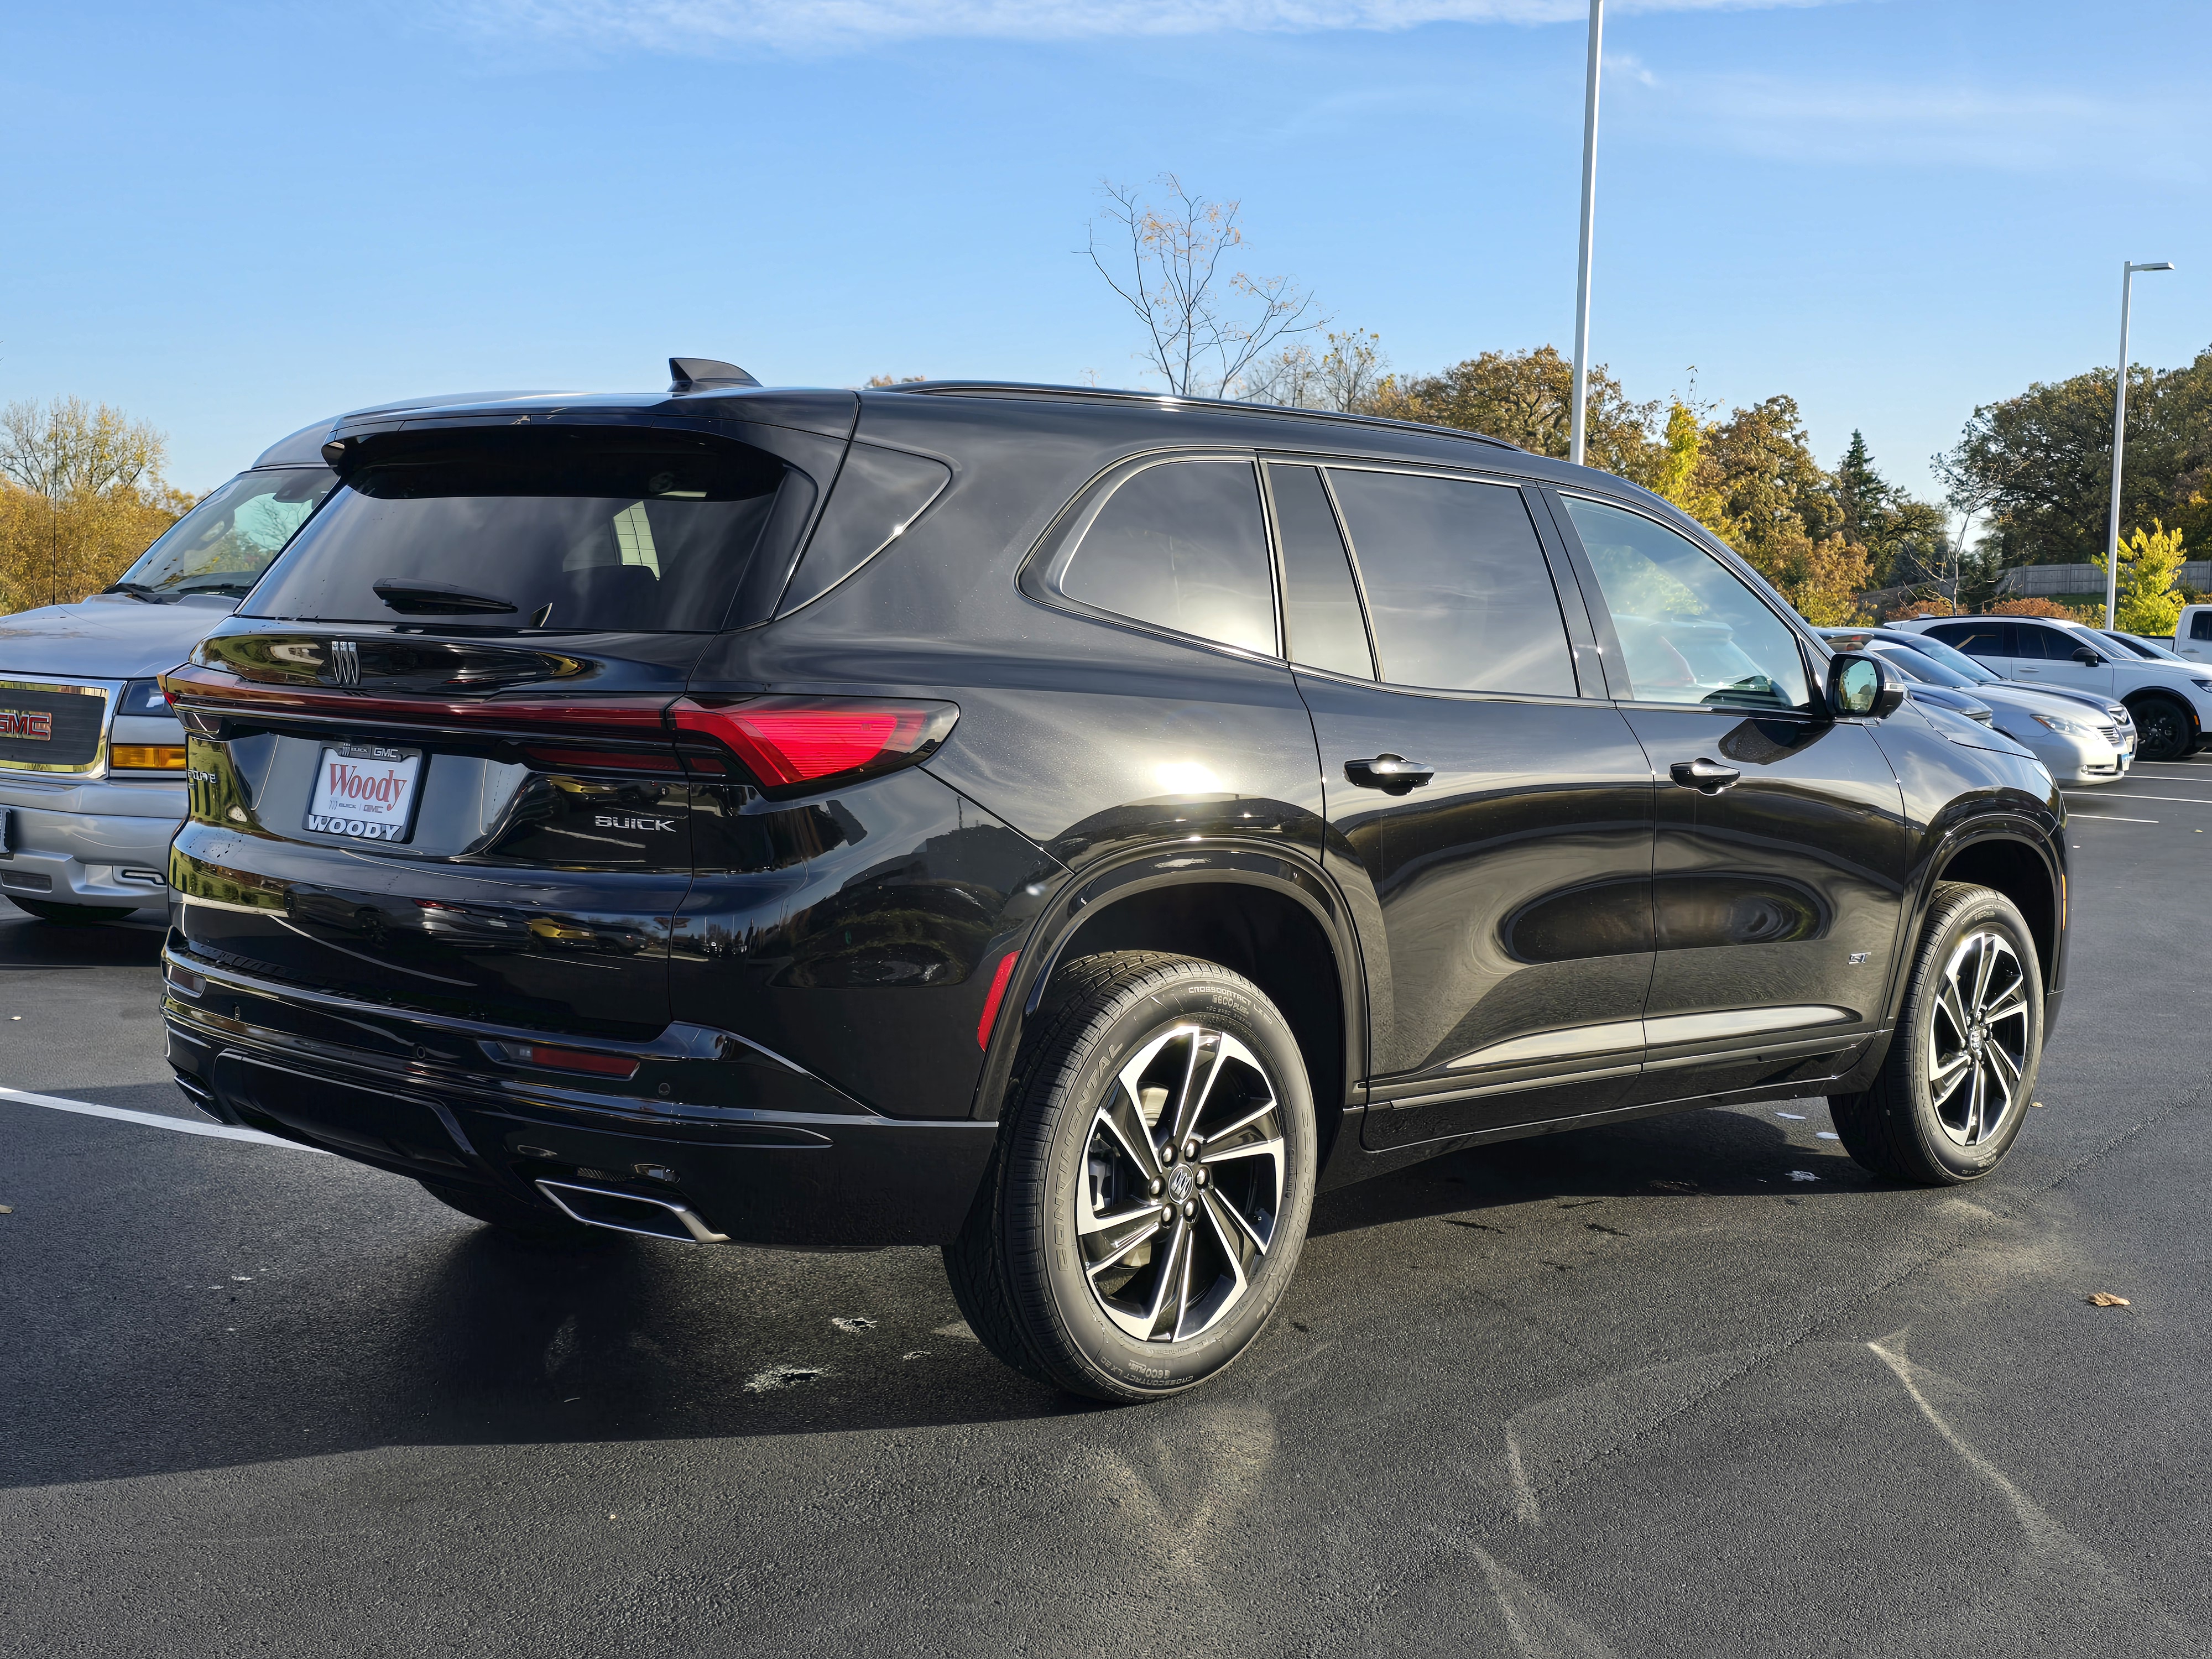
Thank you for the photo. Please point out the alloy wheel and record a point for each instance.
(1182, 1183)
(1978, 1050)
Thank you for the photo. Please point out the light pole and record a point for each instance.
(1575, 442)
(2119, 439)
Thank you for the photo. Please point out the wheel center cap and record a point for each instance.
(1976, 1037)
(1179, 1183)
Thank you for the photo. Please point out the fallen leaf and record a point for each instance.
(2035, 1103)
(2106, 1299)
(7, 1209)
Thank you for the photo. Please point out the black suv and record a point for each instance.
(1066, 827)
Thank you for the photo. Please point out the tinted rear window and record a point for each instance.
(1182, 545)
(563, 529)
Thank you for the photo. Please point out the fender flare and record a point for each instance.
(1282, 870)
(2006, 825)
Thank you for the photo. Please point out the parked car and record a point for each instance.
(1064, 826)
(2075, 742)
(2171, 703)
(2193, 634)
(2136, 645)
(91, 761)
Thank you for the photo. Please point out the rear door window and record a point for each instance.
(1321, 615)
(1690, 629)
(646, 532)
(2200, 625)
(1184, 545)
(1457, 583)
(1984, 641)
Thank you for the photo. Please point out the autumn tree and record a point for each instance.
(1526, 398)
(1349, 376)
(2146, 600)
(81, 496)
(1174, 264)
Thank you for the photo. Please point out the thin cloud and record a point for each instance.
(1930, 123)
(707, 27)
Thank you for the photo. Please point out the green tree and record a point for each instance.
(2146, 601)
(2044, 460)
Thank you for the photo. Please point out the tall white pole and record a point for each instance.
(1575, 442)
(2120, 441)
(2120, 437)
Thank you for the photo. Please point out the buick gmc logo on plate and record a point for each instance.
(365, 790)
(26, 723)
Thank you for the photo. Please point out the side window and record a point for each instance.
(2200, 625)
(2040, 644)
(1182, 545)
(1321, 606)
(1691, 631)
(1457, 584)
(1981, 641)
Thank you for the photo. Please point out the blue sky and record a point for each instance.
(233, 219)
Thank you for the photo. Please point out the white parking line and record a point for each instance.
(183, 1125)
(2105, 795)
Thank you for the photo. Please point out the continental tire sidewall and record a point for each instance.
(1231, 1004)
(1909, 1083)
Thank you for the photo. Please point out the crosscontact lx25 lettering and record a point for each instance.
(1071, 829)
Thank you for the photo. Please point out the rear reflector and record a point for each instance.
(571, 1059)
(790, 743)
(146, 758)
(995, 997)
(606, 760)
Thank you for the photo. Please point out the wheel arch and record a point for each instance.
(1265, 914)
(2018, 865)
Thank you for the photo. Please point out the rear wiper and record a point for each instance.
(142, 593)
(428, 598)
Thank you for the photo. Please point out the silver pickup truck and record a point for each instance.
(91, 761)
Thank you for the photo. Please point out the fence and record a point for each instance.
(2030, 582)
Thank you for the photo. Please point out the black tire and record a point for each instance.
(69, 915)
(1906, 1128)
(541, 1224)
(2165, 728)
(1020, 1268)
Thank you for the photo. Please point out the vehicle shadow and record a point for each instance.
(396, 1322)
(1714, 1153)
(26, 944)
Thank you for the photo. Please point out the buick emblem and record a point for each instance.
(344, 659)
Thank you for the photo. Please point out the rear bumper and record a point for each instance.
(96, 842)
(806, 1167)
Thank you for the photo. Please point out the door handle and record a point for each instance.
(1393, 775)
(1705, 776)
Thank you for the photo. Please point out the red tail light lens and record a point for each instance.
(792, 744)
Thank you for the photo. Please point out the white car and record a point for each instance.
(2193, 634)
(2172, 701)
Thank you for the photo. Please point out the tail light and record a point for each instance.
(788, 744)
(793, 744)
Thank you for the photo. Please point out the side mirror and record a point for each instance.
(1861, 688)
(2086, 657)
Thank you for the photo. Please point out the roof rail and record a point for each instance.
(1168, 400)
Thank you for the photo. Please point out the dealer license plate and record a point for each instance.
(366, 791)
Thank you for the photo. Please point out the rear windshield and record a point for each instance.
(563, 529)
(224, 545)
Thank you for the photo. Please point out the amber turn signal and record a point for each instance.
(146, 758)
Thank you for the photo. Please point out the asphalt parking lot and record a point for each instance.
(1693, 1385)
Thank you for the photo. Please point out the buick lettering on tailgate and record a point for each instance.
(26, 723)
(365, 790)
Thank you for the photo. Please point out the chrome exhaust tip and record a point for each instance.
(629, 1212)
